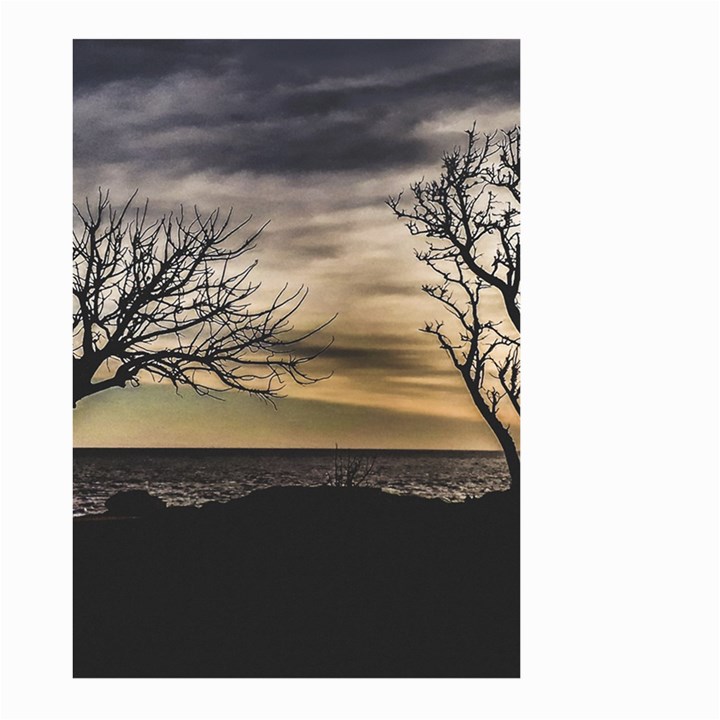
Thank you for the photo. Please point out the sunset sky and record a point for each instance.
(313, 136)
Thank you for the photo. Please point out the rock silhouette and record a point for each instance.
(301, 582)
(133, 503)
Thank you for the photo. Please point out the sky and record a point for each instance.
(312, 136)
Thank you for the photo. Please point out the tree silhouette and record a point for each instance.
(470, 219)
(172, 297)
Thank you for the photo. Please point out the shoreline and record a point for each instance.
(365, 487)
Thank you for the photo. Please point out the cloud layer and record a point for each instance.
(280, 107)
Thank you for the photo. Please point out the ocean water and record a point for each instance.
(197, 476)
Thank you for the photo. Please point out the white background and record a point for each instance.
(620, 352)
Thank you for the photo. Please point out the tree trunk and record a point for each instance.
(513, 461)
(513, 310)
(82, 379)
(83, 373)
(501, 433)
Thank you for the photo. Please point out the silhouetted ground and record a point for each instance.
(301, 582)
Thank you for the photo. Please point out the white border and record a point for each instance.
(620, 540)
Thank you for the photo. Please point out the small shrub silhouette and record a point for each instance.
(351, 470)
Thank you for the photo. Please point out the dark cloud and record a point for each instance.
(376, 358)
(458, 87)
(265, 64)
(388, 289)
(314, 252)
(279, 106)
(339, 146)
(98, 62)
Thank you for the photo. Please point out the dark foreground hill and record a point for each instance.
(301, 582)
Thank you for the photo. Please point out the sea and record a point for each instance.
(185, 476)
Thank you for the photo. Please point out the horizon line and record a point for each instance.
(214, 447)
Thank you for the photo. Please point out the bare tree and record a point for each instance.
(470, 219)
(173, 298)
